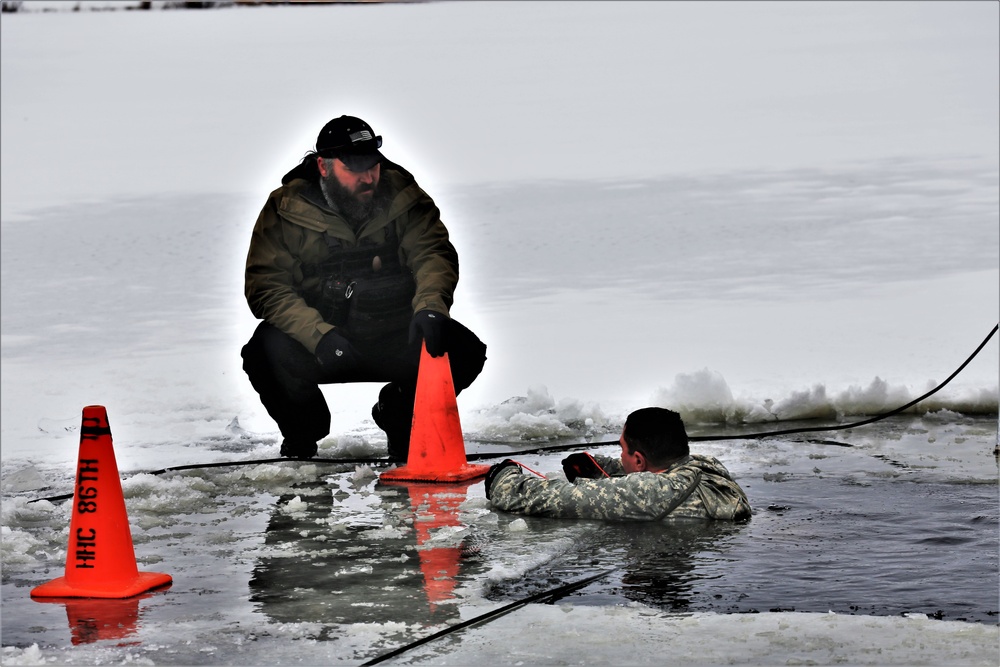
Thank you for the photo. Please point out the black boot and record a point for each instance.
(295, 449)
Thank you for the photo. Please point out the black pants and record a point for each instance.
(287, 377)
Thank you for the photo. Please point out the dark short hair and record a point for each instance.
(658, 433)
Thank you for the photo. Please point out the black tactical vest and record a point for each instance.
(365, 289)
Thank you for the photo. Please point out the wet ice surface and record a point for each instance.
(302, 559)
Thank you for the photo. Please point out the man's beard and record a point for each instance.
(354, 209)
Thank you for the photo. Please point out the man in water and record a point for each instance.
(656, 477)
(351, 270)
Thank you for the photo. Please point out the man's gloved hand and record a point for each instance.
(581, 465)
(335, 352)
(430, 326)
(495, 470)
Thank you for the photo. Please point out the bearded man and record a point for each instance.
(351, 271)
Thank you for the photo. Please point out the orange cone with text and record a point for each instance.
(437, 449)
(100, 560)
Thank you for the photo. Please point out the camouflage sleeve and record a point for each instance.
(722, 498)
(640, 496)
(611, 465)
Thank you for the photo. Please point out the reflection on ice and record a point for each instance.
(92, 620)
(394, 557)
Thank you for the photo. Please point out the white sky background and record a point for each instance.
(485, 92)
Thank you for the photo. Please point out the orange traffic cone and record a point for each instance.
(437, 450)
(100, 561)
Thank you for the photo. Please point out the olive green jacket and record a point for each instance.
(288, 244)
(696, 487)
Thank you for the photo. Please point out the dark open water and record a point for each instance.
(861, 530)
(812, 547)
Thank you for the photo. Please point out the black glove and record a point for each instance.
(581, 465)
(429, 325)
(335, 353)
(495, 470)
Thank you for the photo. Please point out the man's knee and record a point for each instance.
(468, 355)
(270, 350)
(255, 362)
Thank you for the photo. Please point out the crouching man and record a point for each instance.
(655, 478)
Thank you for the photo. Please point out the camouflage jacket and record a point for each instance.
(696, 487)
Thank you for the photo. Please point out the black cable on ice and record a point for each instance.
(557, 448)
(550, 595)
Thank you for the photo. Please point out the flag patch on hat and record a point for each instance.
(363, 135)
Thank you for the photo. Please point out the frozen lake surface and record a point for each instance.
(796, 224)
